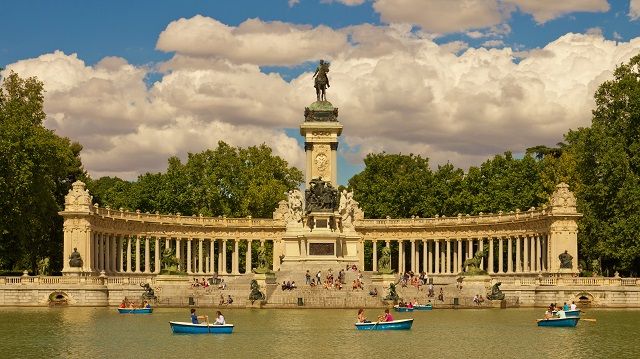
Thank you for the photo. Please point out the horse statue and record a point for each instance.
(321, 82)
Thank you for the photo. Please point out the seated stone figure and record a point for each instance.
(496, 293)
(75, 260)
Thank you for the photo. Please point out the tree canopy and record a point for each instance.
(226, 181)
(37, 168)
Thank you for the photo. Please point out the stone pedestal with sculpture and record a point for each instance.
(563, 232)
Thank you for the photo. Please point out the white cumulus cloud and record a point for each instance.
(634, 9)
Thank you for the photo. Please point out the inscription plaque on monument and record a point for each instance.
(321, 249)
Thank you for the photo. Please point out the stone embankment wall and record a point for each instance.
(178, 292)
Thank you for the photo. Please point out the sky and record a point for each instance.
(457, 81)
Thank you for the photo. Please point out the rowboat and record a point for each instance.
(135, 310)
(402, 309)
(402, 324)
(202, 328)
(558, 322)
(572, 313)
(423, 307)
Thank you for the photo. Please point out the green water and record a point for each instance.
(309, 333)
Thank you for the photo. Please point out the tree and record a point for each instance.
(394, 185)
(607, 159)
(37, 168)
(226, 181)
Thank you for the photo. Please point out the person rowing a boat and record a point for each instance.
(219, 319)
(386, 317)
(361, 317)
(195, 319)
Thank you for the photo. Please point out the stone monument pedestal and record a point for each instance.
(73, 272)
(265, 278)
(383, 279)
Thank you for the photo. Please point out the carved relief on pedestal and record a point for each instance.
(321, 161)
(78, 199)
(562, 200)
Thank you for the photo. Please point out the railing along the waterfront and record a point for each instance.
(247, 222)
(92, 280)
(572, 281)
(458, 220)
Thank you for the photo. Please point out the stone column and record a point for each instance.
(459, 261)
(107, 253)
(236, 257)
(114, 251)
(95, 258)
(212, 255)
(147, 255)
(425, 256)
(509, 255)
(99, 251)
(538, 256)
(120, 254)
(224, 256)
(400, 257)
(188, 258)
(545, 252)
(156, 264)
(532, 254)
(500, 256)
(200, 242)
(525, 255)
(436, 256)
(137, 254)
(375, 255)
(248, 259)
(447, 269)
(481, 248)
(413, 256)
(219, 242)
(491, 267)
(178, 255)
(129, 259)
(518, 264)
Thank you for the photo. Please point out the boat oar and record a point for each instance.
(206, 320)
(374, 325)
(588, 319)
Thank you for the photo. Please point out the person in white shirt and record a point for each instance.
(219, 319)
(573, 306)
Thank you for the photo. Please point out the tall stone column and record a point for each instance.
(481, 249)
(236, 257)
(248, 259)
(491, 266)
(532, 253)
(525, 255)
(500, 256)
(425, 256)
(156, 264)
(509, 255)
(401, 256)
(538, 254)
(200, 257)
(147, 255)
(459, 261)
(219, 241)
(188, 258)
(129, 259)
(447, 269)
(224, 256)
(100, 252)
(178, 255)
(137, 254)
(436, 256)
(114, 251)
(212, 256)
(93, 249)
(413, 256)
(107, 253)
(518, 254)
(120, 254)
(375, 255)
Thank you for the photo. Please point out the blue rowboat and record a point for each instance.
(402, 309)
(558, 322)
(423, 307)
(402, 324)
(135, 310)
(202, 328)
(572, 313)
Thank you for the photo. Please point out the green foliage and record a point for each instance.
(607, 165)
(37, 168)
(401, 186)
(226, 181)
